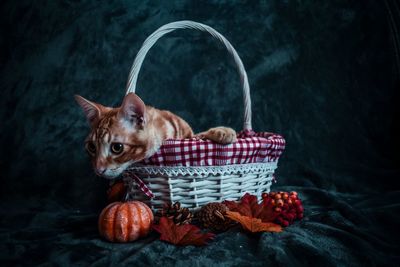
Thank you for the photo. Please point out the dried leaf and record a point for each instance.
(183, 235)
(249, 206)
(253, 225)
(268, 213)
(116, 192)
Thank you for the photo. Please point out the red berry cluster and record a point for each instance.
(287, 205)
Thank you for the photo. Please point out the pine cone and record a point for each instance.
(175, 212)
(212, 216)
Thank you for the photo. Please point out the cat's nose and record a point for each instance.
(101, 170)
(100, 167)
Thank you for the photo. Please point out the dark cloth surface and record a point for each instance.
(338, 230)
(324, 75)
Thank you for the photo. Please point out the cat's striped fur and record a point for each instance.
(130, 133)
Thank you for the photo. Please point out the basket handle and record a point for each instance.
(186, 24)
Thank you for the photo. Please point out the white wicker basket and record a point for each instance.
(195, 186)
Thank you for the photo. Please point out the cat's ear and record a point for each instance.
(92, 110)
(132, 110)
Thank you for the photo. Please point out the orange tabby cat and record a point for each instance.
(133, 132)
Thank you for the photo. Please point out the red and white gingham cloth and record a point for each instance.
(251, 147)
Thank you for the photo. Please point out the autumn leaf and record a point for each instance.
(116, 192)
(268, 213)
(183, 235)
(249, 206)
(253, 225)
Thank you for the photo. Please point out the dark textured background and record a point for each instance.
(324, 74)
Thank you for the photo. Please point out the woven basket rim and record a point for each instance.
(202, 171)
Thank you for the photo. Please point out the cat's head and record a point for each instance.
(118, 137)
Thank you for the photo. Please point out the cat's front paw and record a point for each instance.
(221, 135)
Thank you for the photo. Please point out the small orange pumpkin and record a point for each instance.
(125, 221)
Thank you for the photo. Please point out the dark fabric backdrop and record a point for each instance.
(324, 74)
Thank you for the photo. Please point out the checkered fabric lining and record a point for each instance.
(251, 148)
(139, 183)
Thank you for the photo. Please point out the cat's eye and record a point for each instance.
(117, 148)
(91, 147)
